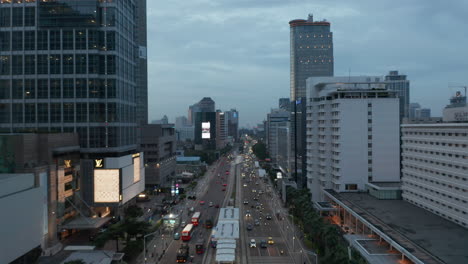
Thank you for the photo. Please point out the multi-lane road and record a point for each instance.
(258, 207)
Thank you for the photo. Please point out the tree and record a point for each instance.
(133, 211)
(260, 151)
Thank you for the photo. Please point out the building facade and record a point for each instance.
(205, 130)
(221, 129)
(158, 143)
(277, 119)
(352, 134)
(398, 83)
(311, 55)
(73, 66)
(233, 124)
(435, 168)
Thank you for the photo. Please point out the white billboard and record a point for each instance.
(205, 130)
(106, 186)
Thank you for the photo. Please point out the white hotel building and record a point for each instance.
(353, 135)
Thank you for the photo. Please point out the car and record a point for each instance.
(249, 227)
(246, 202)
(245, 184)
(217, 206)
(253, 244)
(224, 189)
(192, 209)
(270, 241)
(253, 190)
(183, 223)
(202, 202)
(257, 223)
(255, 198)
(210, 204)
(263, 244)
(224, 184)
(247, 213)
(176, 236)
(268, 217)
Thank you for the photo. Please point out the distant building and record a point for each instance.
(457, 110)
(233, 124)
(398, 83)
(189, 164)
(162, 121)
(205, 130)
(416, 112)
(206, 104)
(277, 119)
(435, 168)
(221, 129)
(284, 103)
(185, 133)
(181, 121)
(311, 56)
(352, 134)
(158, 143)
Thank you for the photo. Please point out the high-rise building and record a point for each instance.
(74, 66)
(311, 56)
(412, 109)
(221, 129)
(353, 135)
(435, 168)
(311, 53)
(205, 130)
(284, 103)
(233, 124)
(398, 83)
(206, 105)
(277, 119)
(181, 121)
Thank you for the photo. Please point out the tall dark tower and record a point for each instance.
(311, 56)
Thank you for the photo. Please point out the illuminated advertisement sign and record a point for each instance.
(136, 169)
(106, 186)
(205, 130)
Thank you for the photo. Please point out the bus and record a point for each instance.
(187, 232)
(213, 239)
(200, 246)
(196, 218)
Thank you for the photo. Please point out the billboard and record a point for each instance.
(205, 130)
(107, 186)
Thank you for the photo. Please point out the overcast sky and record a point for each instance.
(237, 51)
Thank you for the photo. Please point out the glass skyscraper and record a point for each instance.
(74, 66)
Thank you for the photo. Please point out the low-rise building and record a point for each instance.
(189, 164)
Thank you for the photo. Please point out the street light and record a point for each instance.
(144, 244)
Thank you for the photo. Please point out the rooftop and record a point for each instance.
(411, 226)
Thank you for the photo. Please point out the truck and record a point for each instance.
(183, 253)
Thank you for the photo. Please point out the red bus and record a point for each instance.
(187, 232)
(196, 218)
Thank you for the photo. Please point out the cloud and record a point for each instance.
(237, 51)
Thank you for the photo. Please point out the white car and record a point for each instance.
(253, 244)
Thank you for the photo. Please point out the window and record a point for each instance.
(83, 136)
(81, 113)
(80, 39)
(17, 39)
(67, 36)
(42, 89)
(54, 60)
(42, 64)
(93, 63)
(111, 64)
(81, 88)
(110, 44)
(54, 40)
(29, 17)
(96, 88)
(17, 89)
(29, 89)
(112, 112)
(4, 113)
(30, 113)
(17, 65)
(111, 89)
(110, 16)
(17, 113)
(4, 40)
(29, 64)
(68, 91)
(351, 187)
(4, 65)
(80, 64)
(42, 40)
(67, 64)
(92, 39)
(55, 113)
(68, 113)
(17, 20)
(43, 113)
(97, 112)
(97, 137)
(4, 89)
(55, 88)
(5, 17)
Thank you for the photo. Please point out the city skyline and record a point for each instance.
(236, 49)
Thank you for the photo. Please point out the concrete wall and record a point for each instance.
(22, 220)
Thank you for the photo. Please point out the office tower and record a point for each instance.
(284, 103)
(233, 124)
(180, 121)
(398, 83)
(221, 129)
(276, 120)
(353, 135)
(206, 105)
(191, 113)
(413, 109)
(158, 143)
(73, 66)
(311, 55)
(142, 64)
